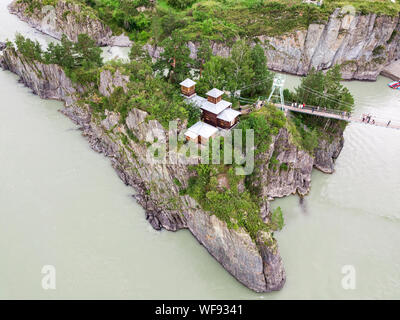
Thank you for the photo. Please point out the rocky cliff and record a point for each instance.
(362, 44)
(286, 169)
(69, 18)
(256, 264)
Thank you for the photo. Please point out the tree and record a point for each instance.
(240, 67)
(28, 48)
(263, 78)
(175, 59)
(138, 53)
(180, 4)
(325, 90)
(204, 54)
(277, 221)
(214, 75)
(194, 114)
(87, 53)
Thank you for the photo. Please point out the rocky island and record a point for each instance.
(123, 108)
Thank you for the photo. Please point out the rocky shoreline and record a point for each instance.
(255, 264)
(69, 19)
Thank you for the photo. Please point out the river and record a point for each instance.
(62, 204)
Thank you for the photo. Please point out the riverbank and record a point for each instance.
(392, 71)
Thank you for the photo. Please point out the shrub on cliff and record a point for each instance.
(30, 49)
(180, 4)
(79, 60)
(236, 207)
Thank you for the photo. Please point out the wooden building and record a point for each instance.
(228, 118)
(216, 113)
(214, 95)
(188, 87)
(201, 132)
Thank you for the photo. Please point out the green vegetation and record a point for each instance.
(175, 58)
(145, 92)
(122, 15)
(324, 90)
(266, 123)
(277, 221)
(245, 70)
(224, 20)
(180, 4)
(378, 50)
(217, 20)
(79, 60)
(237, 209)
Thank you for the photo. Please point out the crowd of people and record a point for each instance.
(312, 108)
(367, 118)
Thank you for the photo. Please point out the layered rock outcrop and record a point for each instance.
(67, 18)
(362, 44)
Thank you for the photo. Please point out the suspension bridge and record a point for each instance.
(339, 115)
(277, 93)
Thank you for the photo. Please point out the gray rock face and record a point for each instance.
(255, 264)
(109, 81)
(327, 153)
(392, 71)
(350, 41)
(363, 45)
(291, 173)
(70, 19)
(2, 46)
(291, 168)
(47, 81)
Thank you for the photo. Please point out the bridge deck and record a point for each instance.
(333, 114)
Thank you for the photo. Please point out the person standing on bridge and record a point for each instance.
(304, 105)
(388, 124)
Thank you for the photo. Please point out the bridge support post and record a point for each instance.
(277, 91)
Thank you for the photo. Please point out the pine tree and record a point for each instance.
(175, 59)
(263, 78)
(204, 54)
